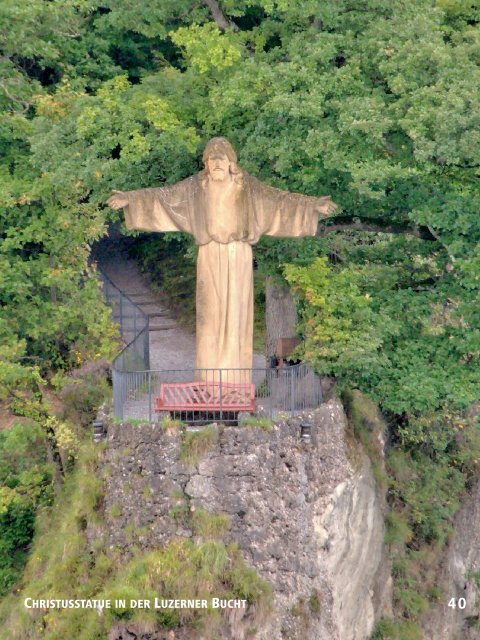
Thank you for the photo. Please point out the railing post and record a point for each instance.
(146, 343)
(149, 382)
(121, 313)
(115, 393)
(292, 400)
(221, 408)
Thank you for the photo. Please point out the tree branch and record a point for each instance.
(438, 239)
(219, 17)
(24, 103)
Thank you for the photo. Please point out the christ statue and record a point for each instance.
(227, 211)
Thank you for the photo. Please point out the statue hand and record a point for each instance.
(327, 207)
(118, 200)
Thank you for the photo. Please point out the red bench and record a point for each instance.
(205, 396)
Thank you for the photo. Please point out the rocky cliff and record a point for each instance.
(460, 579)
(307, 516)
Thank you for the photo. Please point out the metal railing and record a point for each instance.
(133, 326)
(287, 390)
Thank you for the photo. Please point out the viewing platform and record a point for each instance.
(192, 395)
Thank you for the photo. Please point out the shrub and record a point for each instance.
(396, 630)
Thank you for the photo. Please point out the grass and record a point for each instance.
(393, 630)
(147, 492)
(185, 569)
(115, 511)
(398, 531)
(314, 603)
(475, 576)
(261, 423)
(136, 421)
(131, 421)
(210, 526)
(61, 557)
(368, 428)
(133, 532)
(195, 444)
(171, 425)
(65, 563)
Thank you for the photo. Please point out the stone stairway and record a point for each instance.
(171, 346)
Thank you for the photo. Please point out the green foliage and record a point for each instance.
(393, 630)
(398, 530)
(16, 531)
(375, 104)
(26, 484)
(424, 497)
(170, 261)
(82, 394)
(341, 104)
(392, 344)
(204, 47)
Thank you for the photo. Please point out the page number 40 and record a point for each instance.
(461, 603)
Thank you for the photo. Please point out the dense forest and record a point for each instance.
(375, 102)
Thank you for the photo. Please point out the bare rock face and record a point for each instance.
(460, 579)
(352, 529)
(307, 516)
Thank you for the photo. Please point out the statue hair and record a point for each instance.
(221, 145)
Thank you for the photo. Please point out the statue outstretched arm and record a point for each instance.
(149, 209)
(285, 214)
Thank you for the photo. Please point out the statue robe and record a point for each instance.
(224, 297)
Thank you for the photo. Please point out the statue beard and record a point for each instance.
(219, 176)
(232, 177)
(222, 195)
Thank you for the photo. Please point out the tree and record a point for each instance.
(372, 101)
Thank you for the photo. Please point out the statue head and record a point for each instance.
(220, 161)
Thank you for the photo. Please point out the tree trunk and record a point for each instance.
(281, 315)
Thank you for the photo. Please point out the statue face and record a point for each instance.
(218, 166)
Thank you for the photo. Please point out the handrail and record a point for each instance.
(134, 329)
(288, 390)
